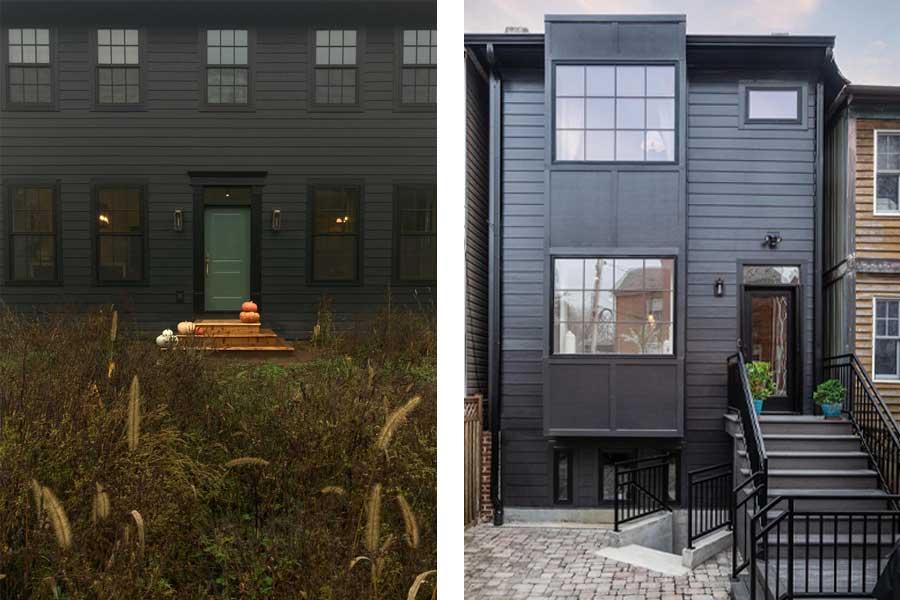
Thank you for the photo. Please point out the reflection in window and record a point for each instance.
(416, 233)
(336, 72)
(887, 172)
(771, 275)
(120, 234)
(227, 74)
(418, 77)
(615, 113)
(118, 66)
(613, 305)
(773, 104)
(887, 339)
(33, 234)
(29, 66)
(335, 233)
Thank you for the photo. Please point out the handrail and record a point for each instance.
(741, 398)
(870, 418)
(709, 501)
(653, 474)
(740, 538)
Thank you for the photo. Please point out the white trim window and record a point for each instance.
(886, 345)
(887, 172)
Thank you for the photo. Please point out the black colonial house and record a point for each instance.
(178, 157)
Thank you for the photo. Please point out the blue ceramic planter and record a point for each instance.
(831, 410)
(757, 406)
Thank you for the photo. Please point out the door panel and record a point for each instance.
(769, 336)
(227, 258)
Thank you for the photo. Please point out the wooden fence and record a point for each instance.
(472, 458)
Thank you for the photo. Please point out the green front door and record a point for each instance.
(227, 259)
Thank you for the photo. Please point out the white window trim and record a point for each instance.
(875, 378)
(875, 211)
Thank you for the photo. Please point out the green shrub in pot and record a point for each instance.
(762, 384)
(830, 396)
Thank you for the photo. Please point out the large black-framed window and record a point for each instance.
(415, 224)
(29, 67)
(335, 240)
(614, 113)
(336, 72)
(118, 67)
(120, 225)
(228, 67)
(418, 71)
(562, 475)
(613, 305)
(33, 233)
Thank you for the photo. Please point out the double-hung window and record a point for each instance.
(418, 75)
(28, 67)
(887, 172)
(118, 66)
(605, 305)
(227, 67)
(120, 231)
(33, 234)
(887, 339)
(336, 71)
(335, 236)
(615, 113)
(416, 226)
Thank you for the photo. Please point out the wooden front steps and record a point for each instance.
(231, 335)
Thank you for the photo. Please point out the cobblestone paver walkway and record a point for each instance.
(537, 563)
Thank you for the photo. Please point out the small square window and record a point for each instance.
(773, 104)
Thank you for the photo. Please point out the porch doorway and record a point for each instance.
(769, 335)
(226, 257)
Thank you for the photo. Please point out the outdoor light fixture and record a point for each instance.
(772, 239)
(719, 289)
(178, 220)
(276, 219)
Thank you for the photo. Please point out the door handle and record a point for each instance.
(207, 265)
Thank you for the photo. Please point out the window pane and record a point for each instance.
(887, 186)
(885, 358)
(569, 81)
(334, 258)
(600, 113)
(660, 114)
(629, 145)
(240, 37)
(213, 37)
(771, 275)
(629, 274)
(570, 145)
(629, 113)
(119, 210)
(570, 113)
(569, 338)
(601, 81)
(120, 258)
(881, 309)
(43, 54)
(660, 145)
(335, 210)
(661, 81)
(568, 274)
(629, 81)
(33, 210)
(888, 152)
(418, 258)
(772, 104)
(599, 145)
(562, 477)
(568, 305)
(659, 274)
(34, 258)
(599, 271)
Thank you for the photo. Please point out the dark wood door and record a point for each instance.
(769, 334)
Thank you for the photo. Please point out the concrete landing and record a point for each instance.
(647, 558)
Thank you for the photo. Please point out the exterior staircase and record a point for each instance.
(234, 337)
(821, 462)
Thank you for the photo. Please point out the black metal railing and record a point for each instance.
(797, 550)
(708, 501)
(641, 488)
(741, 399)
(746, 500)
(871, 419)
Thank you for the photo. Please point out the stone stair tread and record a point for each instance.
(801, 419)
(819, 472)
(807, 454)
(813, 493)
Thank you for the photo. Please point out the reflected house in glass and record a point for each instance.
(629, 168)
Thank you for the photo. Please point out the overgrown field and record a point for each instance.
(126, 472)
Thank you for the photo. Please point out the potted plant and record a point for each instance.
(830, 396)
(762, 385)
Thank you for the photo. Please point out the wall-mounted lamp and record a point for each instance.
(772, 239)
(719, 288)
(178, 220)
(276, 219)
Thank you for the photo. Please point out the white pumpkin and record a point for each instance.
(168, 333)
(162, 341)
(185, 328)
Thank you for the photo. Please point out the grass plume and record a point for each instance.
(100, 508)
(373, 519)
(409, 521)
(134, 414)
(246, 460)
(394, 421)
(58, 519)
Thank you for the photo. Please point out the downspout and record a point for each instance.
(818, 281)
(495, 136)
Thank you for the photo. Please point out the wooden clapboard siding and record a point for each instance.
(869, 286)
(877, 236)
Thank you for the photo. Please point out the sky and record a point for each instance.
(867, 48)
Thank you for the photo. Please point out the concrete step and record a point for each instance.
(837, 499)
(826, 546)
(848, 479)
(819, 460)
(825, 522)
(806, 424)
(810, 442)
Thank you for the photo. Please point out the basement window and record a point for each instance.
(887, 172)
(562, 475)
(886, 359)
(773, 105)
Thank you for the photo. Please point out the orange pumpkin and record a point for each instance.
(249, 306)
(199, 331)
(249, 317)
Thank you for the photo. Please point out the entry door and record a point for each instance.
(227, 260)
(769, 335)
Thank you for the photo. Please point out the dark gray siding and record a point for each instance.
(379, 145)
(526, 474)
(477, 198)
(742, 183)
(838, 213)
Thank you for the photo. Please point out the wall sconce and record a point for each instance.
(719, 288)
(178, 220)
(772, 239)
(276, 219)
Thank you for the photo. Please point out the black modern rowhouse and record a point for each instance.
(655, 202)
(175, 158)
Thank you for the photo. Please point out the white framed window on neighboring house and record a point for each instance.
(887, 173)
(886, 345)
